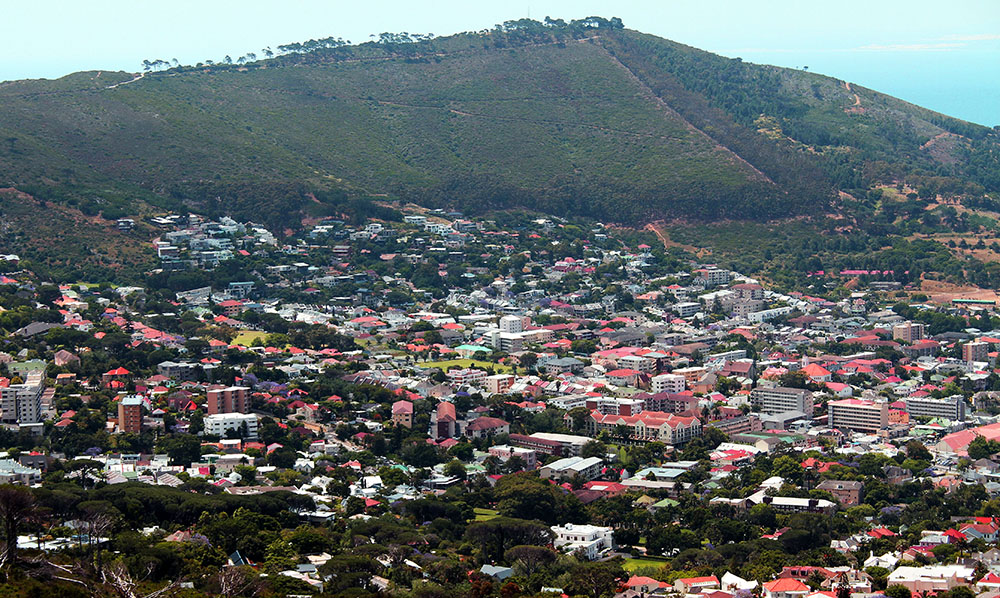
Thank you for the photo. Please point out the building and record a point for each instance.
(686, 309)
(563, 365)
(909, 332)
(485, 427)
(975, 351)
(466, 376)
(932, 579)
(220, 424)
(511, 324)
(21, 404)
(858, 415)
(952, 408)
(12, 472)
(568, 468)
(505, 452)
(697, 585)
(550, 443)
(498, 383)
(589, 541)
(781, 399)
(130, 415)
(402, 414)
(648, 426)
(444, 421)
(672, 383)
(846, 491)
(785, 587)
(234, 399)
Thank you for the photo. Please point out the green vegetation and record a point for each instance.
(466, 363)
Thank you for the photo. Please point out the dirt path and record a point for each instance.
(668, 243)
(856, 107)
(857, 98)
(137, 77)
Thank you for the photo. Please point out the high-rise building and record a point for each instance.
(130, 415)
(858, 415)
(234, 399)
(21, 404)
(511, 324)
(909, 332)
(952, 408)
(781, 399)
(976, 351)
(667, 383)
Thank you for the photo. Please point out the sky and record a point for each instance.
(941, 55)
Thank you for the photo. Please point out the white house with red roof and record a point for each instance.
(785, 587)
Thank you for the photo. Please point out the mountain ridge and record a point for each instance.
(584, 118)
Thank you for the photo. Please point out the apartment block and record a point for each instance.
(858, 415)
(782, 400)
(234, 399)
(952, 408)
(975, 351)
(130, 415)
(21, 404)
(909, 332)
(667, 383)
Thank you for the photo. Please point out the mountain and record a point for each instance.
(580, 118)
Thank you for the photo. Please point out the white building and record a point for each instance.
(858, 415)
(505, 452)
(21, 404)
(952, 408)
(511, 324)
(773, 401)
(220, 423)
(667, 383)
(569, 467)
(590, 541)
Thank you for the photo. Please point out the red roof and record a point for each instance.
(786, 584)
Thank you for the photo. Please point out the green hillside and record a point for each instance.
(584, 118)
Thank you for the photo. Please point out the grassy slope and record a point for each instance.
(527, 115)
(650, 125)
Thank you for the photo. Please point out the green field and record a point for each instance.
(247, 337)
(466, 363)
(635, 564)
(485, 514)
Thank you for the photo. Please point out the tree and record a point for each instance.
(981, 448)
(897, 591)
(594, 448)
(454, 468)
(17, 508)
(182, 449)
(916, 450)
(595, 579)
(529, 559)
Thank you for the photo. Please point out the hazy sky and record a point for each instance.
(942, 55)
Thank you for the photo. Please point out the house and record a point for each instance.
(589, 541)
(785, 587)
(484, 427)
(847, 492)
(696, 585)
(645, 585)
(932, 578)
(984, 531)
